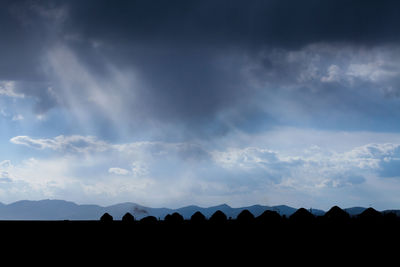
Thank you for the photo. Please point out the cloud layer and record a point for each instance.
(184, 172)
(205, 68)
(200, 101)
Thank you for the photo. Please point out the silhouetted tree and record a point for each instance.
(106, 218)
(128, 217)
(198, 217)
(245, 217)
(218, 217)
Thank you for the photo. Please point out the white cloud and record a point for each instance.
(315, 170)
(5, 168)
(41, 117)
(74, 143)
(162, 172)
(7, 88)
(313, 67)
(90, 144)
(3, 112)
(373, 71)
(249, 157)
(313, 166)
(17, 117)
(118, 171)
(5, 164)
(140, 169)
(334, 74)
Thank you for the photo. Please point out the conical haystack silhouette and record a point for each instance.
(106, 218)
(198, 217)
(302, 216)
(128, 217)
(336, 214)
(245, 217)
(269, 217)
(218, 217)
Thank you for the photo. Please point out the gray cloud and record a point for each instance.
(203, 67)
(278, 23)
(249, 167)
(74, 144)
(160, 170)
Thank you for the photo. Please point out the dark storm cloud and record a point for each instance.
(25, 24)
(189, 55)
(19, 46)
(26, 33)
(274, 22)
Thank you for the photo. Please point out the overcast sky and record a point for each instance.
(174, 103)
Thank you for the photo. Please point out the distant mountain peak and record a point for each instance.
(223, 206)
(55, 209)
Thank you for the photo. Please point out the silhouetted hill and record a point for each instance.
(40, 210)
(66, 210)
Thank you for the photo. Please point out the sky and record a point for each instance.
(175, 103)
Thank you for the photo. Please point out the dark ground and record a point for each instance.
(186, 243)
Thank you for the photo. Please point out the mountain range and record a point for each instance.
(66, 210)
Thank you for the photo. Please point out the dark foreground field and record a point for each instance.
(302, 239)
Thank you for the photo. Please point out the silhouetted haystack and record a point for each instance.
(336, 215)
(128, 218)
(175, 218)
(106, 218)
(149, 220)
(302, 216)
(218, 217)
(245, 217)
(370, 215)
(269, 217)
(197, 218)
